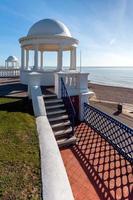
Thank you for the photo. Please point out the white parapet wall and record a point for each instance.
(54, 178)
(76, 84)
(55, 183)
(46, 77)
(37, 101)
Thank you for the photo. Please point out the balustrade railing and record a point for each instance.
(116, 133)
(9, 73)
(71, 80)
(68, 103)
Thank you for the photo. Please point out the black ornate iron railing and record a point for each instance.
(68, 103)
(116, 133)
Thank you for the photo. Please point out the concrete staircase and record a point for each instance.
(59, 120)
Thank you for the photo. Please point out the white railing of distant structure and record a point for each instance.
(4, 72)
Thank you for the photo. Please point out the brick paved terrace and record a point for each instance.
(95, 169)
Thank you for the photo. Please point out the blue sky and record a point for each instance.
(103, 27)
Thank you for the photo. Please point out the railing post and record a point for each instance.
(58, 85)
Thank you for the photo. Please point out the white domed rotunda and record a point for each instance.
(47, 35)
(51, 35)
(11, 62)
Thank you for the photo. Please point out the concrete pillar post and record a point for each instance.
(41, 60)
(59, 60)
(27, 58)
(36, 59)
(22, 58)
(73, 59)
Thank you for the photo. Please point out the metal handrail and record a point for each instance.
(119, 135)
(68, 103)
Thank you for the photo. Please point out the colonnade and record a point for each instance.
(39, 59)
(13, 64)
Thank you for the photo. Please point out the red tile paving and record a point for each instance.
(95, 169)
(81, 186)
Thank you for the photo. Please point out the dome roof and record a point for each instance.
(12, 59)
(49, 27)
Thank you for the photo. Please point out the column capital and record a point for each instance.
(60, 49)
(35, 47)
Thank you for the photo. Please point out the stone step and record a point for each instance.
(62, 124)
(56, 112)
(60, 118)
(55, 106)
(53, 101)
(63, 133)
(65, 142)
(50, 96)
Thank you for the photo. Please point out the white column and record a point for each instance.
(36, 58)
(73, 59)
(27, 58)
(17, 64)
(59, 60)
(41, 60)
(22, 58)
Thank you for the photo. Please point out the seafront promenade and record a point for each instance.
(107, 98)
(112, 93)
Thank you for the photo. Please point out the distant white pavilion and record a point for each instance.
(11, 62)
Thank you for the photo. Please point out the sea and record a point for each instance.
(112, 76)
